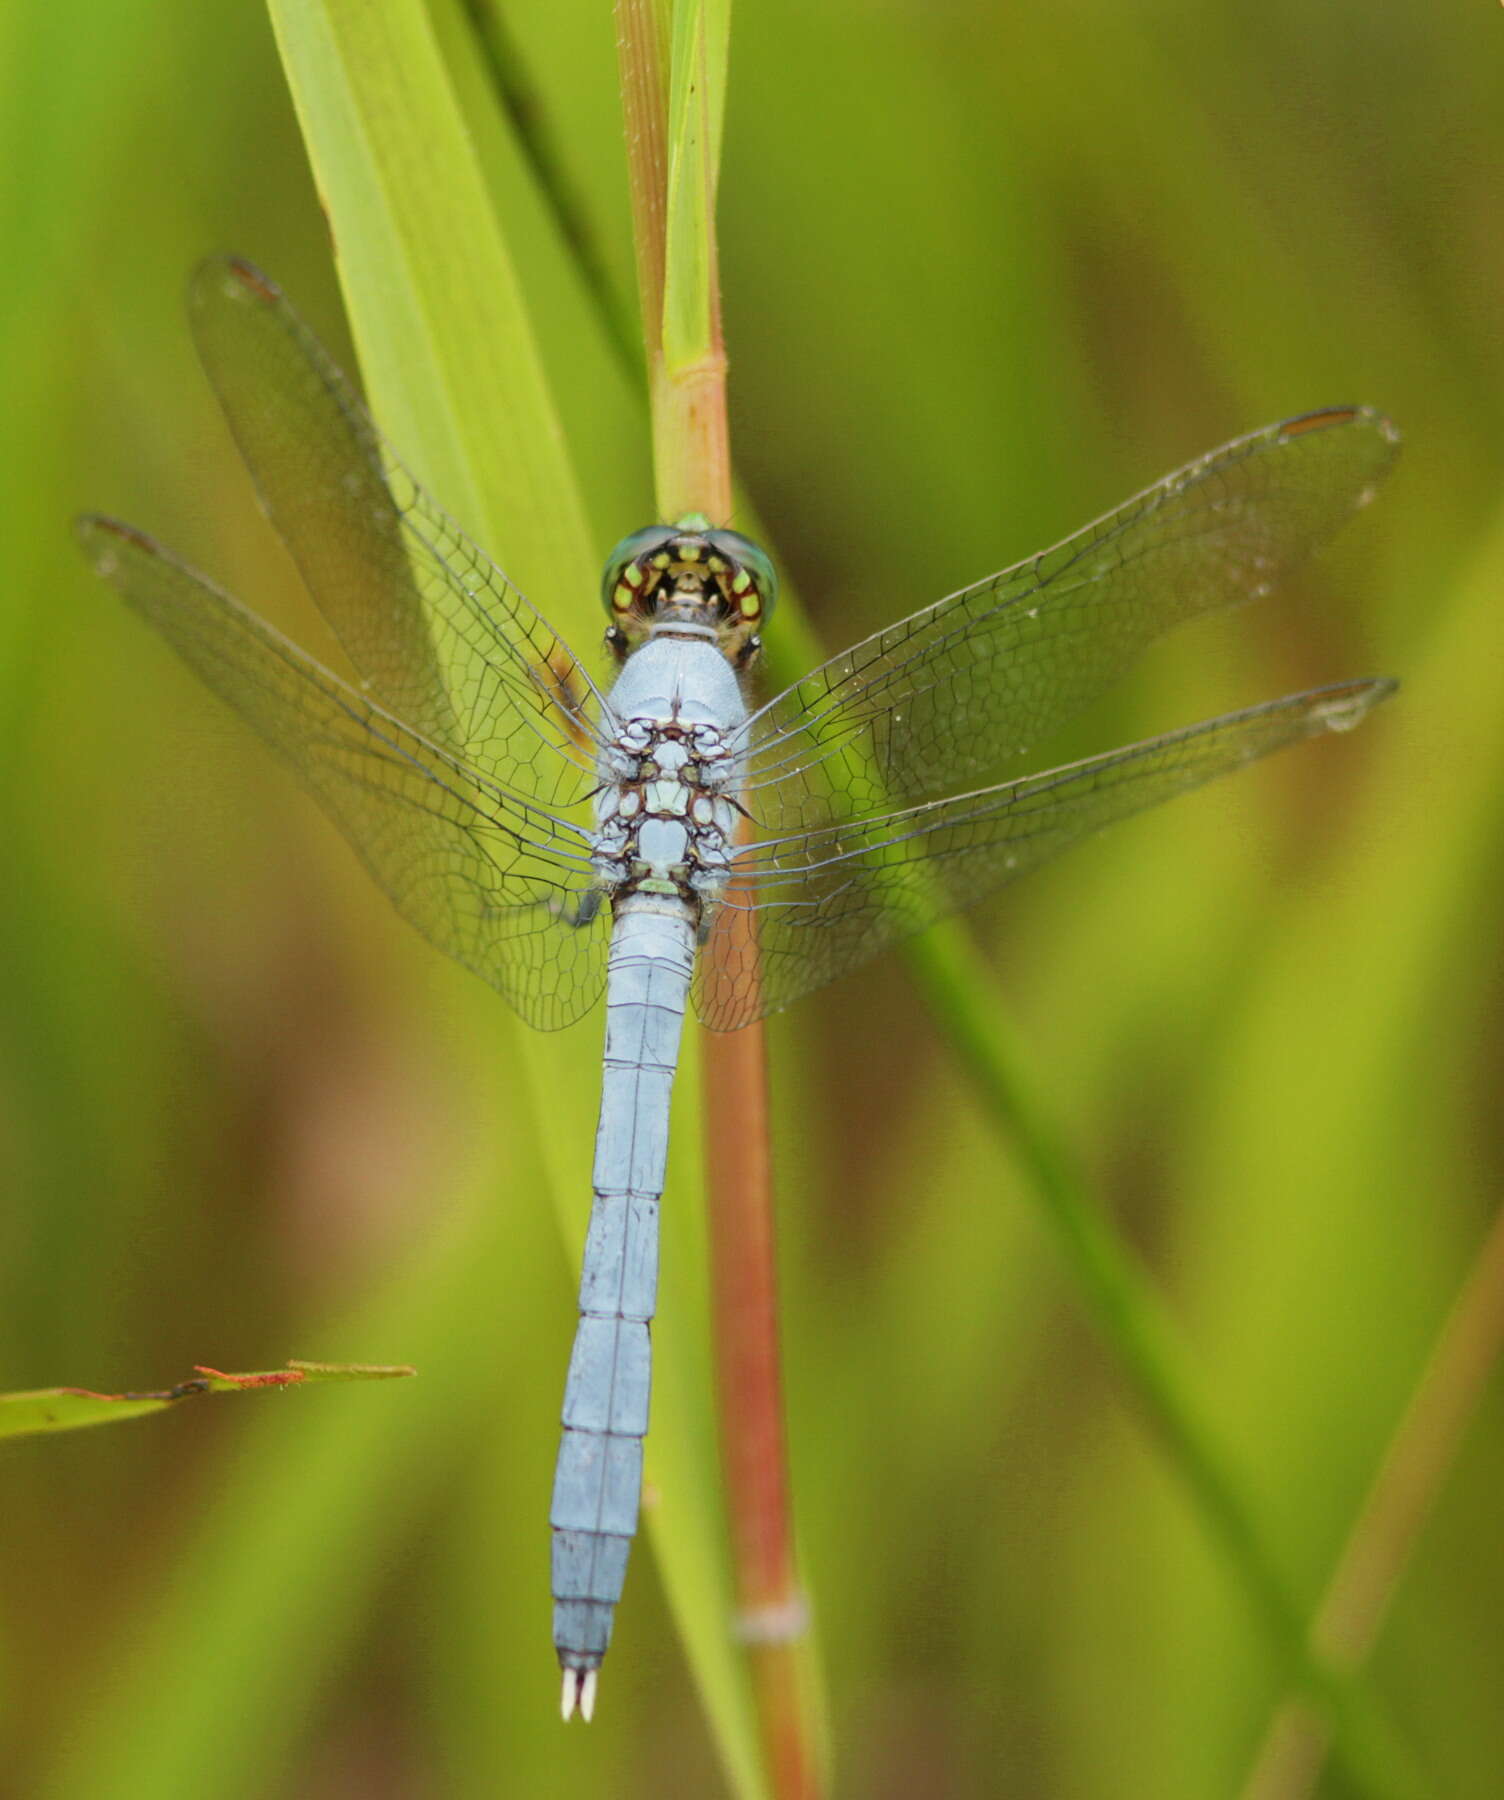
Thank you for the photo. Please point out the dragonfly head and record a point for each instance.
(689, 573)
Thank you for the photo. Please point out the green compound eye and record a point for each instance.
(756, 563)
(620, 571)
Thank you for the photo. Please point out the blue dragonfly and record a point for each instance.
(663, 834)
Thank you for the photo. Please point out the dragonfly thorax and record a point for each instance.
(665, 825)
(692, 576)
(665, 813)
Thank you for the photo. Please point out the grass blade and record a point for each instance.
(70, 1408)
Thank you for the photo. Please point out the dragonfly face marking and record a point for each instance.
(692, 575)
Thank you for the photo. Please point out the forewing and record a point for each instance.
(944, 698)
(486, 874)
(431, 625)
(821, 903)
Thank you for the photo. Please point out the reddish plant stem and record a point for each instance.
(743, 1267)
(691, 448)
(742, 1263)
(692, 462)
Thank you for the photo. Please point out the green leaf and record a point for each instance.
(70, 1408)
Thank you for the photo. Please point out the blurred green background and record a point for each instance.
(987, 271)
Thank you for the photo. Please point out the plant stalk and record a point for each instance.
(672, 144)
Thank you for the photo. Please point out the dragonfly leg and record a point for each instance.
(580, 911)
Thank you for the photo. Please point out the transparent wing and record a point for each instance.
(821, 903)
(945, 697)
(434, 629)
(485, 873)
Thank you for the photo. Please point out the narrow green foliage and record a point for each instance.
(432, 288)
(69, 1409)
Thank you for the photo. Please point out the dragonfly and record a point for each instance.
(659, 834)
